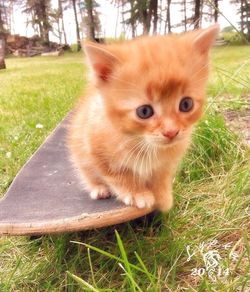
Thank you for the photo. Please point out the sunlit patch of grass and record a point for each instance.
(33, 91)
(230, 71)
(212, 202)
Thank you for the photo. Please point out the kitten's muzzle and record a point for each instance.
(170, 134)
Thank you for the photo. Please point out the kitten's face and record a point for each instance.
(154, 87)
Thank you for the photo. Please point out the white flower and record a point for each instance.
(39, 126)
(8, 155)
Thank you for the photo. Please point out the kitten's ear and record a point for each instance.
(100, 59)
(205, 38)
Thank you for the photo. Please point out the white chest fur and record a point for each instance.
(142, 161)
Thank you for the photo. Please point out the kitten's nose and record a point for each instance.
(170, 134)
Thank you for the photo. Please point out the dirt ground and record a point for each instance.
(239, 121)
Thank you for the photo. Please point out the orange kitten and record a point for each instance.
(132, 128)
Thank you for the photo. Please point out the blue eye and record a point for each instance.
(144, 111)
(186, 104)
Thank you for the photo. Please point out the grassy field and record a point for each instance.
(202, 244)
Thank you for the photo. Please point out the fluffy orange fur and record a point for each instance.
(117, 152)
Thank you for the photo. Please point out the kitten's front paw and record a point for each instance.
(99, 193)
(140, 200)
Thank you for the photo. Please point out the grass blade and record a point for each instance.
(130, 278)
(125, 260)
(109, 255)
(82, 283)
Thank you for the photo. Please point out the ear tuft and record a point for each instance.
(100, 59)
(205, 38)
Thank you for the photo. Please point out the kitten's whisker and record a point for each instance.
(124, 164)
(121, 148)
(155, 154)
(126, 159)
(137, 160)
(149, 153)
(144, 158)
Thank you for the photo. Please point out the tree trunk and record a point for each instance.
(45, 24)
(246, 13)
(63, 27)
(1, 21)
(241, 16)
(185, 14)
(59, 16)
(2, 53)
(168, 17)
(132, 21)
(216, 9)
(91, 22)
(197, 14)
(117, 19)
(154, 9)
(123, 18)
(77, 26)
(146, 19)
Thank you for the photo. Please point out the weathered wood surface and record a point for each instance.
(28, 47)
(52, 54)
(47, 196)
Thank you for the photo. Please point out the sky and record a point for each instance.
(108, 19)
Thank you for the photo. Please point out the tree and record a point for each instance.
(216, 10)
(133, 17)
(73, 2)
(146, 10)
(2, 52)
(143, 12)
(197, 13)
(168, 16)
(129, 14)
(61, 9)
(245, 18)
(91, 22)
(244, 11)
(154, 9)
(2, 28)
(90, 18)
(39, 10)
(58, 19)
(4, 16)
(184, 3)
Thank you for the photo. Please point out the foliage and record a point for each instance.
(227, 29)
(234, 38)
(39, 12)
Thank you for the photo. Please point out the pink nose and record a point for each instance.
(170, 134)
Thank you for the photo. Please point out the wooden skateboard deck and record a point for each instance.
(47, 196)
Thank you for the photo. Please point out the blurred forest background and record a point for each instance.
(46, 18)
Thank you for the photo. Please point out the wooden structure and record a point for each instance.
(47, 196)
(28, 47)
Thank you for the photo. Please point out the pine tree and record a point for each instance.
(244, 12)
(40, 14)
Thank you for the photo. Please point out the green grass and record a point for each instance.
(212, 189)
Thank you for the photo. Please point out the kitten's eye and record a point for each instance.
(186, 104)
(144, 111)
